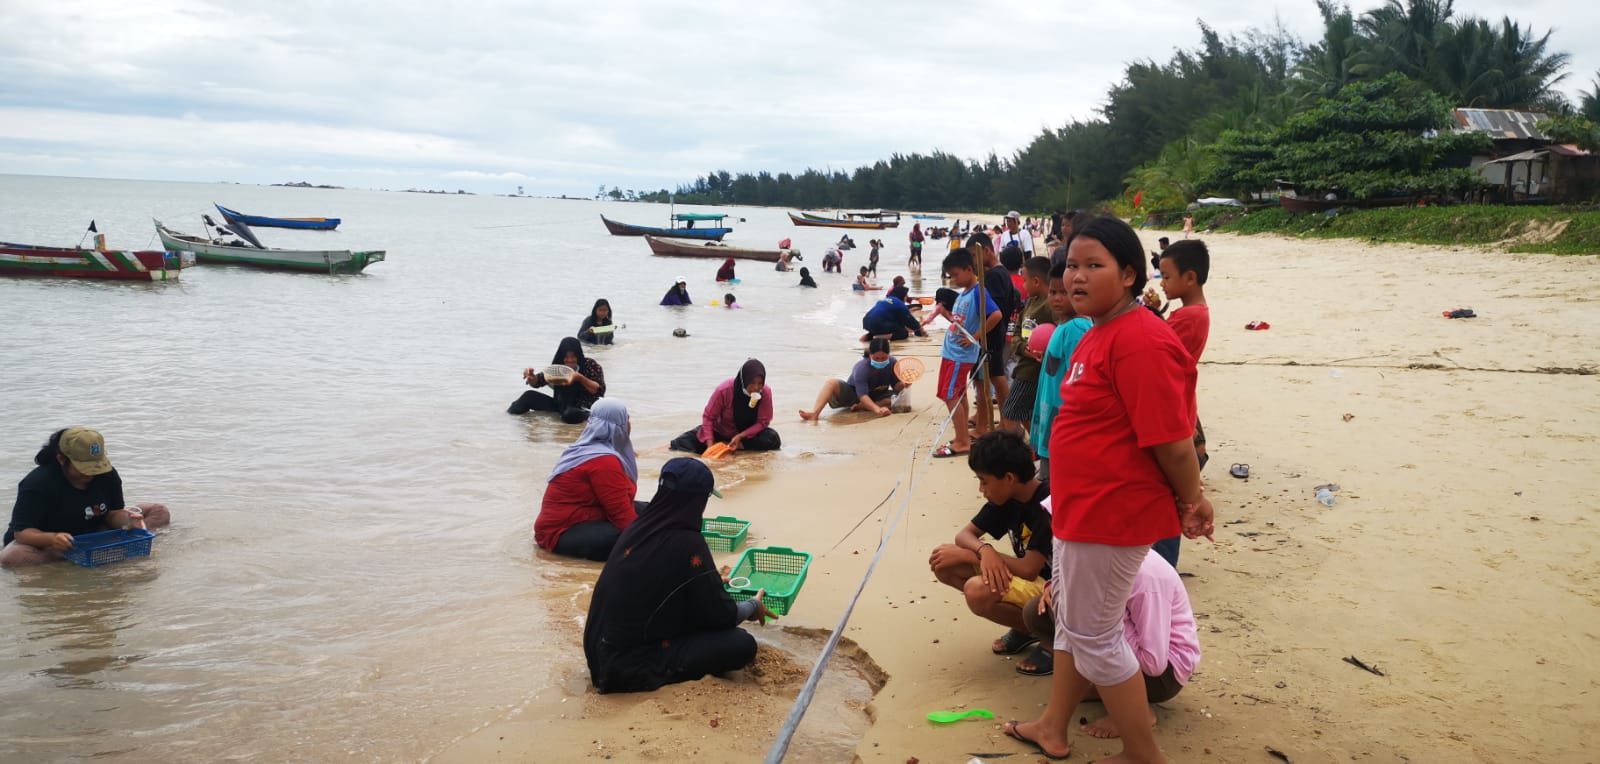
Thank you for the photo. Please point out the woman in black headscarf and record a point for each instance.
(571, 396)
(659, 613)
(805, 278)
(597, 329)
(739, 414)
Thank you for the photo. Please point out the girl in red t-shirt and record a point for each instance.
(1123, 475)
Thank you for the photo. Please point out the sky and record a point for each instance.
(562, 97)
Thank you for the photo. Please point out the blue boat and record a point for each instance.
(685, 231)
(309, 224)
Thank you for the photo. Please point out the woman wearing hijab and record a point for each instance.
(738, 414)
(659, 613)
(597, 328)
(72, 490)
(571, 397)
(678, 294)
(725, 273)
(589, 501)
(805, 277)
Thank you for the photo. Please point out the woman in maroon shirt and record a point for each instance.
(589, 500)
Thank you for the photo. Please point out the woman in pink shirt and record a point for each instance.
(738, 414)
(1159, 626)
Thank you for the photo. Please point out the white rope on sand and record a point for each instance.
(780, 746)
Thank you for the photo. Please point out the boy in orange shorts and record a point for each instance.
(997, 585)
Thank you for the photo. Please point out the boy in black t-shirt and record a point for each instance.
(997, 585)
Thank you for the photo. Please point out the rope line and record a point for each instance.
(802, 701)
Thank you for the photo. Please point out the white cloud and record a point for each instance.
(638, 93)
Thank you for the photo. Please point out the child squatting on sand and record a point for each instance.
(996, 585)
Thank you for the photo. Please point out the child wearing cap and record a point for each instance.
(71, 491)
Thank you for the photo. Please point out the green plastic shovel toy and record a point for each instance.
(946, 717)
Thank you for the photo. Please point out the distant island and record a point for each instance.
(304, 184)
(429, 191)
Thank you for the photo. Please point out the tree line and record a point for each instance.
(1363, 110)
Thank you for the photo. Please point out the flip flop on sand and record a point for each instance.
(1241, 471)
(1041, 662)
(947, 451)
(1013, 642)
(1010, 728)
(1258, 326)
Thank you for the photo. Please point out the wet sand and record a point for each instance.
(1456, 559)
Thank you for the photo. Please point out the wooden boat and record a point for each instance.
(317, 261)
(309, 224)
(686, 231)
(1297, 206)
(76, 262)
(671, 248)
(855, 219)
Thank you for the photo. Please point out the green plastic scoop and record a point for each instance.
(946, 717)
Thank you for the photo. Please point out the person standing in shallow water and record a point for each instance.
(71, 491)
(739, 413)
(660, 614)
(572, 397)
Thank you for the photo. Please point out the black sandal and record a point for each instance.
(1014, 642)
(1042, 661)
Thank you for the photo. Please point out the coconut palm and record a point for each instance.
(1589, 105)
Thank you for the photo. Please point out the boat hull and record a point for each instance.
(627, 229)
(259, 221)
(859, 225)
(670, 248)
(311, 261)
(1296, 206)
(62, 262)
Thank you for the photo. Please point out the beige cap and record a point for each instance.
(86, 450)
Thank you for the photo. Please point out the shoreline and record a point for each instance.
(1456, 531)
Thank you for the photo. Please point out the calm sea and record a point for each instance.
(350, 572)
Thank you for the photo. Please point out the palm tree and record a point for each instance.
(1402, 38)
(1590, 105)
(1324, 67)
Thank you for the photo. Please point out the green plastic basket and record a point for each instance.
(779, 570)
(724, 534)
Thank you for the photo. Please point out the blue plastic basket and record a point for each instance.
(92, 550)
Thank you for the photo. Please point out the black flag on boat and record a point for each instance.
(92, 229)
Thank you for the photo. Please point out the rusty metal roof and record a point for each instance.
(1502, 124)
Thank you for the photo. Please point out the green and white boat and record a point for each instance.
(246, 253)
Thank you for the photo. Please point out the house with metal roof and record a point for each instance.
(1523, 165)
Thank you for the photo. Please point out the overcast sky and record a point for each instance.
(561, 97)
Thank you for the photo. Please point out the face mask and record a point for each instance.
(878, 364)
(755, 399)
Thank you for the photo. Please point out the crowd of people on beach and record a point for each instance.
(1085, 443)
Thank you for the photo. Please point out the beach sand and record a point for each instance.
(1457, 559)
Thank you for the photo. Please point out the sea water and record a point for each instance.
(350, 571)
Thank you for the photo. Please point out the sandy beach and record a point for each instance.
(1456, 559)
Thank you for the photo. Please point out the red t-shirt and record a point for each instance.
(1192, 323)
(1130, 387)
(598, 489)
